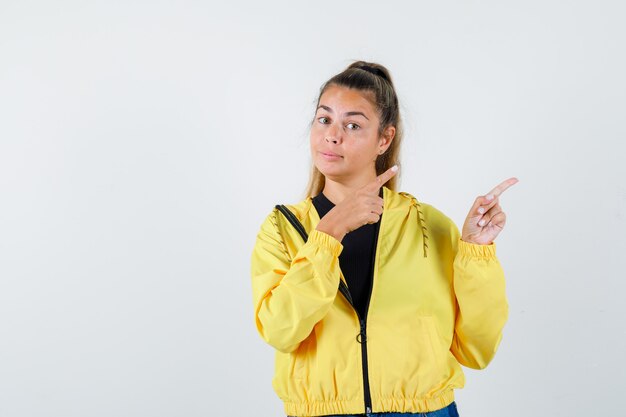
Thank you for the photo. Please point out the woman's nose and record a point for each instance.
(333, 134)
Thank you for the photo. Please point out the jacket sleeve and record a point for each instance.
(482, 311)
(291, 296)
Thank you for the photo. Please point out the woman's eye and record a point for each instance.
(325, 120)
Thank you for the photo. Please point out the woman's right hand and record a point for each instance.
(363, 206)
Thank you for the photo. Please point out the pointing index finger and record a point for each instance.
(500, 188)
(384, 177)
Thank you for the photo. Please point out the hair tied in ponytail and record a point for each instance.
(375, 71)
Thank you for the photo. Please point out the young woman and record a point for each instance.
(371, 298)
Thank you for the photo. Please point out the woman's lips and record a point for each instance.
(330, 156)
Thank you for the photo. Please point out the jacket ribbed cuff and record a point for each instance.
(327, 241)
(477, 251)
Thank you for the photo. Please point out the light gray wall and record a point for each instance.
(142, 144)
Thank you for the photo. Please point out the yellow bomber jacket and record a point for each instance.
(436, 303)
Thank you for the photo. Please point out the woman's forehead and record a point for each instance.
(346, 99)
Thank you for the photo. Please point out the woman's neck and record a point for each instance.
(337, 191)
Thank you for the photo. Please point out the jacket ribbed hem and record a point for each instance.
(327, 241)
(477, 251)
(322, 408)
(413, 405)
(380, 405)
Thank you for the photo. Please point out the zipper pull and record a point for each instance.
(361, 337)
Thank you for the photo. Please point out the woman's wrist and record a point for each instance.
(467, 240)
(330, 227)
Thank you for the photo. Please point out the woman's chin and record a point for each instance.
(330, 171)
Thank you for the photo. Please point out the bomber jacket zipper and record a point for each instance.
(362, 336)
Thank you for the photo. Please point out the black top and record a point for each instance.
(355, 260)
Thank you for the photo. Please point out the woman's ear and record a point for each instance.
(385, 140)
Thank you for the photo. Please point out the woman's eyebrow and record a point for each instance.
(349, 113)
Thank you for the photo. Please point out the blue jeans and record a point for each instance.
(449, 411)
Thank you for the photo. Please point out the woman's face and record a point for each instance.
(344, 136)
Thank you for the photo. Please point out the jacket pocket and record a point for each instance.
(431, 337)
(304, 358)
(427, 357)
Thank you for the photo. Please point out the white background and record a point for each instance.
(142, 144)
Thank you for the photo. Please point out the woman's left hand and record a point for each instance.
(486, 218)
